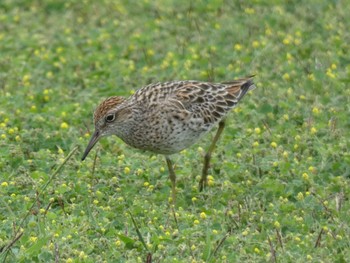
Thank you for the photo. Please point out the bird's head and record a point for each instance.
(107, 118)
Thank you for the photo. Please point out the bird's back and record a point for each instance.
(210, 100)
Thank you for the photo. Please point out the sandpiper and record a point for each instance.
(165, 118)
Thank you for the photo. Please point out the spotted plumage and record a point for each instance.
(167, 117)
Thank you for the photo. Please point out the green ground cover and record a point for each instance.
(279, 185)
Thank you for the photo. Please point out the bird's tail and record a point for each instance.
(239, 87)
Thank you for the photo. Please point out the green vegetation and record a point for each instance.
(279, 186)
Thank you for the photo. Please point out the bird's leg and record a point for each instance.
(172, 177)
(204, 181)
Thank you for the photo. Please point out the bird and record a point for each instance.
(168, 117)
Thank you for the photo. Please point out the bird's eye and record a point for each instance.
(110, 117)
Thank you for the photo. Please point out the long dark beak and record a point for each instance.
(95, 137)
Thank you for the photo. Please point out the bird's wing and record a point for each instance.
(205, 100)
(211, 101)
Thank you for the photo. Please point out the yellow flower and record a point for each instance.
(289, 57)
(300, 196)
(268, 32)
(313, 130)
(312, 169)
(315, 110)
(59, 50)
(339, 237)
(257, 130)
(273, 144)
(196, 222)
(210, 180)
(63, 60)
(297, 41)
(286, 76)
(26, 78)
(311, 77)
(286, 41)
(277, 224)
(60, 151)
(330, 73)
(64, 125)
(126, 170)
(238, 47)
(249, 11)
(305, 176)
(150, 52)
(203, 215)
(237, 109)
(118, 243)
(4, 184)
(82, 255)
(160, 247)
(33, 239)
(256, 44)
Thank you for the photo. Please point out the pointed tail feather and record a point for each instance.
(238, 88)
